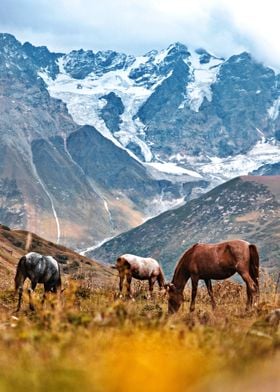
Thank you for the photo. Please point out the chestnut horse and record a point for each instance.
(214, 261)
(143, 268)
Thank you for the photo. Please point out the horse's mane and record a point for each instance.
(183, 260)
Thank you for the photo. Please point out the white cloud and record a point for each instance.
(221, 26)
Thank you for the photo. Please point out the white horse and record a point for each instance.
(39, 269)
(142, 268)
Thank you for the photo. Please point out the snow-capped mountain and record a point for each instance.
(120, 138)
(217, 117)
(58, 178)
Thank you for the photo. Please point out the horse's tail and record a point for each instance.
(160, 278)
(254, 264)
(19, 278)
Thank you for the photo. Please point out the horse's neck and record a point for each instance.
(181, 275)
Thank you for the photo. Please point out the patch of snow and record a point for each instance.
(172, 168)
(159, 205)
(160, 56)
(139, 61)
(261, 133)
(203, 76)
(83, 100)
(273, 111)
(89, 249)
(265, 151)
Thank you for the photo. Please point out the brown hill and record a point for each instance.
(13, 245)
(246, 207)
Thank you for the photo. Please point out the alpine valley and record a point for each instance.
(94, 143)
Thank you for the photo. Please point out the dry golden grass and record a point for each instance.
(91, 341)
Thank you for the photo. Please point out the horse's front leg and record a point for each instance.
(210, 292)
(30, 292)
(20, 291)
(121, 285)
(194, 280)
(128, 284)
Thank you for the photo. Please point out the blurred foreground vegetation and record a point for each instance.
(92, 341)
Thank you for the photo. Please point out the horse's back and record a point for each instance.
(232, 248)
(223, 244)
(217, 260)
(41, 268)
(142, 267)
(138, 259)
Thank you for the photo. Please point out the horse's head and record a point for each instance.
(175, 298)
(121, 264)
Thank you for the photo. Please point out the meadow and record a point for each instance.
(90, 340)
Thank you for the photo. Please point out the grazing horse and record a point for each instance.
(39, 269)
(143, 268)
(214, 261)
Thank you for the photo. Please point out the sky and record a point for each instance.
(223, 27)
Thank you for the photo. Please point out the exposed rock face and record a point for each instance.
(272, 169)
(230, 123)
(65, 182)
(112, 111)
(246, 208)
(174, 105)
(80, 63)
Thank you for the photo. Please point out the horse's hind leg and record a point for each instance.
(210, 292)
(152, 281)
(250, 286)
(194, 280)
(249, 297)
(20, 292)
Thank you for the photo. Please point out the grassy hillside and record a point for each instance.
(247, 208)
(13, 245)
(92, 342)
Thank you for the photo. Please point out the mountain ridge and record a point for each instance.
(48, 185)
(245, 207)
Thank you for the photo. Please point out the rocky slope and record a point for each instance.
(58, 179)
(246, 207)
(270, 169)
(94, 143)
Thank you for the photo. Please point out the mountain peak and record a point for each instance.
(8, 40)
(178, 48)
